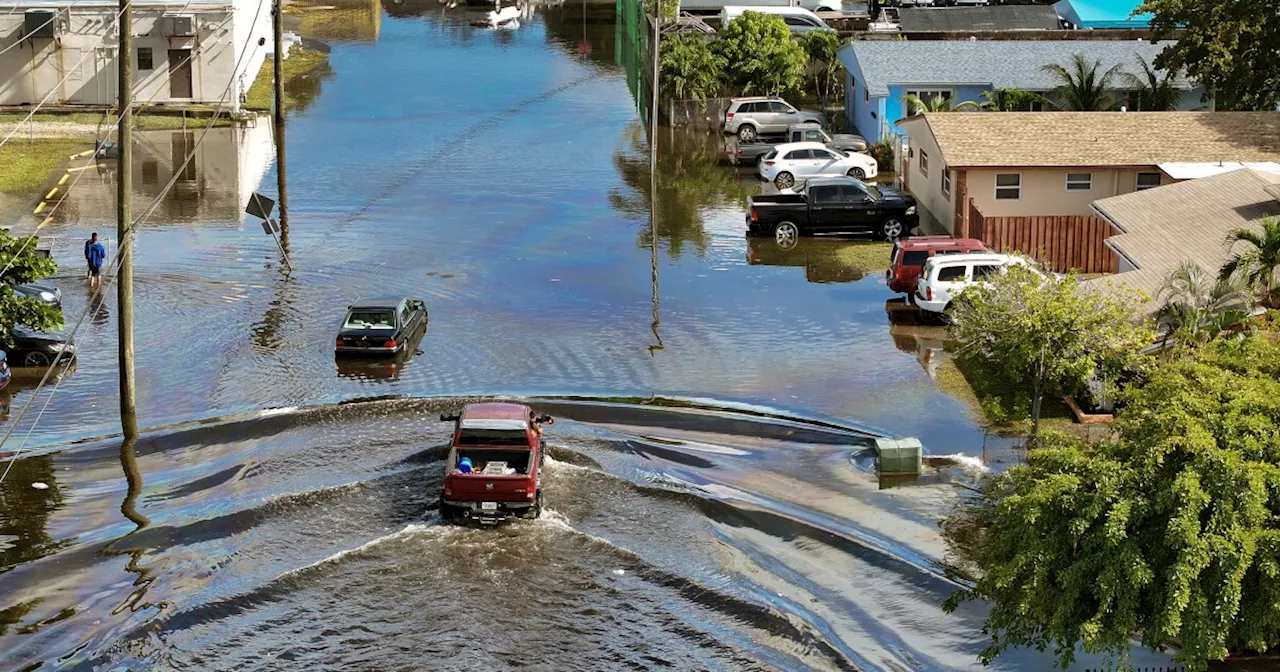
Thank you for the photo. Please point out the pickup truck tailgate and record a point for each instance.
(479, 487)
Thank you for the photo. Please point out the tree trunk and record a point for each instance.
(1035, 415)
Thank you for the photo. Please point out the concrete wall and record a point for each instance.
(928, 188)
(80, 66)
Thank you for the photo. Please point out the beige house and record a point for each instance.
(966, 165)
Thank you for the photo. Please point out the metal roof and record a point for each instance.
(1001, 64)
(995, 17)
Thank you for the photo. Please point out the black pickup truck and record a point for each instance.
(749, 153)
(832, 205)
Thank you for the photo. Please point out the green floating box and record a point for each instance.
(899, 456)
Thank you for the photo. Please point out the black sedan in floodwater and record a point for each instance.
(33, 348)
(380, 326)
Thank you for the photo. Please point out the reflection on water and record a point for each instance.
(824, 260)
(25, 511)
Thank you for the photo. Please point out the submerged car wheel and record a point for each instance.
(784, 180)
(857, 173)
(786, 235)
(892, 229)
(447, 513)
(534, 511)
(37, 359)
(747, 133)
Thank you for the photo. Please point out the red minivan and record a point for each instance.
(492, 469)
(908, 258)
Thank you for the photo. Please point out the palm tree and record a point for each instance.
(1258, 265)
(917, 105)
(1197, 307)
(1081, 87)
(1155, 93)
(1009, 100)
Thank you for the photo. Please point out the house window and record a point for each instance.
(1079, 181)
(1008, 186)
(1148, 181)
(927, 96)
(946, 181)
(145, 61)
(924, 163)
(866, 94)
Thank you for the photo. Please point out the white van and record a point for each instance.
(799, 19)
(700, 6)
(945, 275)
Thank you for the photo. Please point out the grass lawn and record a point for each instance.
(141, 121)
(301, 66)
(987, 401)
(29, 163)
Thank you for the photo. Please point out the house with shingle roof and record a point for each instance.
(1158, 229)
(1038, 164)
(880, 74)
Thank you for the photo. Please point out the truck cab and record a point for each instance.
(494, 462)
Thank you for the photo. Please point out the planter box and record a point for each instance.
(1088, 418)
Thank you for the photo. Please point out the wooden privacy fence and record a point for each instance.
(1062, 242)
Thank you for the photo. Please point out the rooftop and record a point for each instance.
(1103, 13)
(1186, 221)
(1001, 64)
(995, 17)
(1066, 139)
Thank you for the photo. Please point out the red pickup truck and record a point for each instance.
(492, 472)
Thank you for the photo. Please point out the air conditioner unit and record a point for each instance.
(41, 23)
(179, 26)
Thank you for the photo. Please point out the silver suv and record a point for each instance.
(750, 118)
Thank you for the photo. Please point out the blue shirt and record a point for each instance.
(97, 254)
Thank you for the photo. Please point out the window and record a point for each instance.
(813, 136)
(1008, 186)
(1079, 181)
(372, 318)
(916, 258)
(866, 94)
(951, 274)
(854, 194)
(1148, 180)
(824, 155)
(946, 181)
(826, 195)
(781, 108)
(924, 162)
(798, 155)
(404, 314)
(145, 60)
(928, 95)
(984, 270)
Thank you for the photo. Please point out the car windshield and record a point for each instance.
(492, 437)
(371, 319)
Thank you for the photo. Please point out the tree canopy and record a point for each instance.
(1171, 531)
(1081, 87)
(1257, 264)
(24, 266)
(1229, 46)
(689, 68)
(1033, 334)
(761, 56)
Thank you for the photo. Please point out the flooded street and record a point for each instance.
(503, 178)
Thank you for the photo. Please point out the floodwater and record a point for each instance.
(712, 501)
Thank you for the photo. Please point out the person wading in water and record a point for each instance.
(95, 253)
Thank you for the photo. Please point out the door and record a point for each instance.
(799, 163)
(860, 211)
(824, 163)
(781, 116)
(826, 208)
(180, 73)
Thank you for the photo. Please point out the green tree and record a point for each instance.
(1081, 87)
(1196, 307)
(824, 65)
(1155, 93)
(917, 105)
(1171, 531)
(761, 56)
(1258, 265)
(1229, 46)
(689, 68)
(1033, 334)
(1009, 100)
(18, 254)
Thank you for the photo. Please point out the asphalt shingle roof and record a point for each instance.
(1186, 221)
(1031, 139)
(1001, 64)
(995, 17)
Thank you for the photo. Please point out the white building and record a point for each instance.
(63, 52)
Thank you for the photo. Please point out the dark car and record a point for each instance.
(41, 292)
(380, 326)
(386, 367)
(33, 348)
(5, 373)
(832, 205)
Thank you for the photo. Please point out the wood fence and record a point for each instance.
(1062, 242)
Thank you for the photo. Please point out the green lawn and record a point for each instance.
(301, 70)
(988, 403)
(142, 121)
(28, 164)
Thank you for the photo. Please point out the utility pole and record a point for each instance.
(282, 183)
(653, 173)
(124, 222)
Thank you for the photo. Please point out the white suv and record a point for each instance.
(750, 118)
(943, 276)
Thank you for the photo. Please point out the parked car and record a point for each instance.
(832, 205)
(748, 118)
(798, 19)
(945, 276)
(5, 373)
(47, 294)
(751, 153)
(386, 367)
(803, 160)
(492, 470)
(908, 257)
(34, 348)
(380, 326)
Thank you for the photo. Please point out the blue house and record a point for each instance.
(1102, 13)
(880, 74)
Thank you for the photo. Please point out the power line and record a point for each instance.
(120, 251)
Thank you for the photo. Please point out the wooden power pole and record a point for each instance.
(282, 183)
(124, 222)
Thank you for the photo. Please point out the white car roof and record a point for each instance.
(735, 10)
(969, 258)
(786, 147)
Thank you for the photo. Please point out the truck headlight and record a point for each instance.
(47, 296)
(911, 210)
